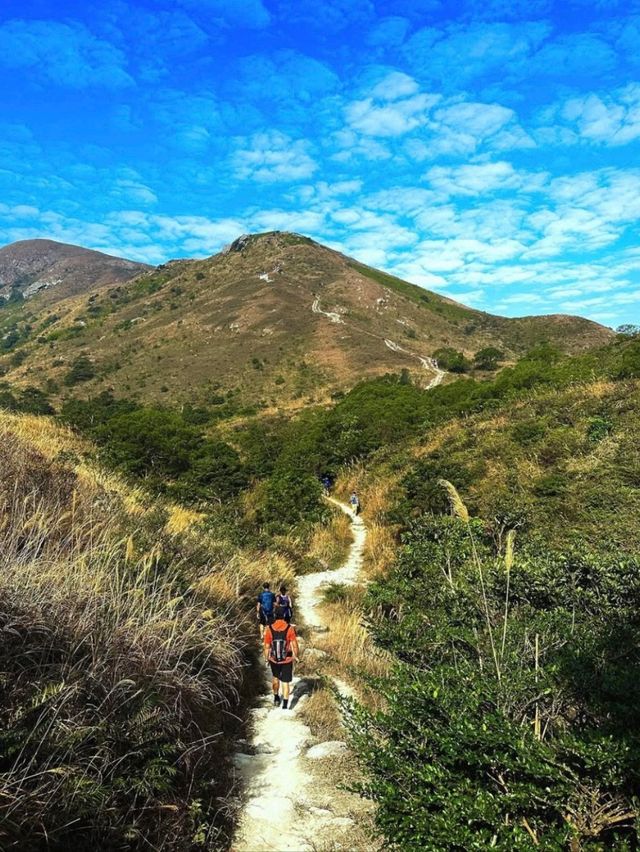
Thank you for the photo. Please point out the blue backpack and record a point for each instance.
(266, 600)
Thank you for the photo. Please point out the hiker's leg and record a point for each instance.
(286, 677)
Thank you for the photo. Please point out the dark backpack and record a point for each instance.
(279, 645)
(284, 601)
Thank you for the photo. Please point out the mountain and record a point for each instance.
(274, 318)
(28, 267)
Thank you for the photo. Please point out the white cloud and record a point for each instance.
(392, 108)
(272, 156)
(481, 179)
(595, 119)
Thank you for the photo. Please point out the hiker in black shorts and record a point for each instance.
(281, 651)
(264, 607)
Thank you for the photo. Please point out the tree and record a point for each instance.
(150, 442)
(215, 472)
(628, 330)
(451, 360)
(488, 358)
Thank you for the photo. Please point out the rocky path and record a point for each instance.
(288, 806)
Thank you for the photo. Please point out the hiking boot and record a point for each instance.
(285, 703)
(276, 700)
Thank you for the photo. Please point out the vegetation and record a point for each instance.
(499, 675)
(451, 360)
(125, 645)
(511, 716)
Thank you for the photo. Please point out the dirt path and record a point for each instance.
(288, 806)
(428, 363)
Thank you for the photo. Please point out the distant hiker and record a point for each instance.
(264, 607)
(326, 485)
(355, 503)
(284, 601)
(280, 651)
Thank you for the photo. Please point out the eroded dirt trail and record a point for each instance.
(288, 805)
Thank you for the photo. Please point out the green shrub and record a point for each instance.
(503, 714)
(529, 431)
(82, 370)
(451, 360)
(488, 358)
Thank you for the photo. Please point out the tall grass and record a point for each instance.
(379, 550)
(122, 657)
(331, 541)
(350, 644)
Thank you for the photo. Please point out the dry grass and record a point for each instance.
(330, 542)
(321, 714)
(123, 652)
(379, 550)
(181, 519)
(350, 644)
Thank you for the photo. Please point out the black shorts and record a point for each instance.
(265, 618)
(282, 671)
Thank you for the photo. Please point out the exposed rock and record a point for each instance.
(341, 821)
(331, 748)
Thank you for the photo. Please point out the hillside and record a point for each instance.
(274, 319)
(58, 270)
(126, 657)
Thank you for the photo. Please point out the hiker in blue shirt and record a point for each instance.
(264, 607)
(355, 503)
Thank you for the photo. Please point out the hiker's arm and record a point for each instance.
(296, 650)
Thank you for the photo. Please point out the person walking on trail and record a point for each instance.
(355, 503)
(264, 608)
(326, 485)
(285, 601)
(280, 652)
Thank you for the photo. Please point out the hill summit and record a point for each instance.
(273, 318)
(28, 267)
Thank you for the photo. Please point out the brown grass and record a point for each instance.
(331, 541)
(321, 714)
(125, 646)
(379, 551)
(349, 643)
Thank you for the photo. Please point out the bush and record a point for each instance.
(290, 497)
(488, 358)
(509, 722)
(82, 370)
(149, 442)
(451, 360)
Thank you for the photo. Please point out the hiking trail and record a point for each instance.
(288, 805)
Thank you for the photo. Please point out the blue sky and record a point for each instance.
(487, 150)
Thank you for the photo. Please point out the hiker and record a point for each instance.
(280, 652)
(284, 600)
(355, 503)
(326, 485)
(264, 608)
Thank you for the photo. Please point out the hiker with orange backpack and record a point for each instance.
(280, 652)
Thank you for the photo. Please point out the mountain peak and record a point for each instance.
(33, 266)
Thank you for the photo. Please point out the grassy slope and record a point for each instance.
(126, 642)
(198, 330)
(560, 461)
